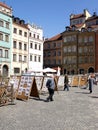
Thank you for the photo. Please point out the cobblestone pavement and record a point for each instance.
(71, 110)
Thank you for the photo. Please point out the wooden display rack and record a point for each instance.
(27, 88)
(83, 81)
(6, 97)
(75, 81)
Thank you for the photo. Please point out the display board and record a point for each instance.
(15, 81)
(60, 81)
(39, 81)
(27, 88)
(75, 81)
(43, 87)
(83, 80)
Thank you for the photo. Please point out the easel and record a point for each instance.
(27, 88)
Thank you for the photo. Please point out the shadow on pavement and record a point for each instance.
(83, 92)
(93, 96)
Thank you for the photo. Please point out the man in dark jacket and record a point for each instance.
(50, 84)
(66, 80)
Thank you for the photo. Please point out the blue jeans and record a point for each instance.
(66, 86)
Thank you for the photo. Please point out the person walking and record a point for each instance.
(91, 81)
(50, 84)
(66, 80)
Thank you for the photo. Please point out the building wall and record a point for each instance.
(53, 53)
(35, 60)
(19, 61)
(6, 42)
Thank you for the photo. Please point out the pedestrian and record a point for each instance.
(66, 80)
(91, 81)
(50, 84)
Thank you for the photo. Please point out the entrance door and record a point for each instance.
(5, 71)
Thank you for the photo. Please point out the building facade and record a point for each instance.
(19, 61)
(53, 52)
(35, 48)
(5, 39)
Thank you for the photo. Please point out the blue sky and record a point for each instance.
(51, 15)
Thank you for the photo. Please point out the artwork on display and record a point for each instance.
(25, 87)
(39, 81)
(15, 81)
(44, 88)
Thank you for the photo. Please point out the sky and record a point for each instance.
(52, 15)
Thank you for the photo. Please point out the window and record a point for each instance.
(59, 61)
(1, 53)
(20, 45)
(37, 36)
(54, 44)
(30, 34)
(25, 58)
(31, 45)
(25, 47)
(34, 35)
(7, 38)
(85, 39)
(54, 53)
(20, 32)
(16, 70)
(48, 45)
(65, 49)
(6, 53)
(15, 30)
(14, 44)
(20, 58)
(80, 39)
(39, 59)
(7, 25)
(35, 46)
(80, 50)
(1, 36)
(90, 38)
(39, 47)
(25, 34)
(1, 23)
(65, 39)
(35, 58)
(14, 57)
(31, 58)
(59, 53)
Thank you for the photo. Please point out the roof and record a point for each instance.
(92, 18)
(56, 37)
(4, 5)
(77, 16)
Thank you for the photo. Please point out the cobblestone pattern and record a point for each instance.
(71, 110)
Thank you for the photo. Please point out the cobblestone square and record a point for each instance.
(76, 109)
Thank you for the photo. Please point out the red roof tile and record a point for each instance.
(54, 38)
(4, 5)
(77, 16)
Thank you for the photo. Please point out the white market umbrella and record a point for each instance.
(46, 70)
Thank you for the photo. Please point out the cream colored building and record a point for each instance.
(19, 64)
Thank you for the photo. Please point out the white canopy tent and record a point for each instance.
(47, 70)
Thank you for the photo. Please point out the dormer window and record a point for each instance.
(67, 28)
(73, 28)
(83, 29)
(89, 29)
